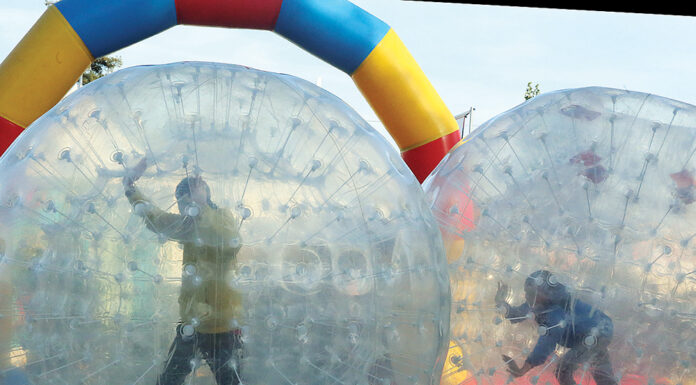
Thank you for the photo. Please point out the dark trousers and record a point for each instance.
(380, 371)
(221, 351)
(596, 355)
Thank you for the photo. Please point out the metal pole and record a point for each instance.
(463, 116)
(472, 109)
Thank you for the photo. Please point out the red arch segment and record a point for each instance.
(423, 159)
(253, 14)
(8, 133)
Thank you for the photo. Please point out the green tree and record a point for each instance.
(100, 67)
(531, 91)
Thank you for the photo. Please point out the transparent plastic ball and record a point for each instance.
(568, 224)
(218, 223)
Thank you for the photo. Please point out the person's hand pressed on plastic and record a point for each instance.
(515, 370)
(134, 173)
(501, 294)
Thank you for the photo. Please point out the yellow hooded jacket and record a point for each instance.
(211, 241)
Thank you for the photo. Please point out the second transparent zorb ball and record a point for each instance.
(212, 223)
(568, 224)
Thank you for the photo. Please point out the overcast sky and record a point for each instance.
(475, 55)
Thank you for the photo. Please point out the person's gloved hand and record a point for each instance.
(134, 173)
(513, 369)
(502, 294)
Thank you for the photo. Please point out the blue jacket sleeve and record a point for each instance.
(546, 343)
(517, 314)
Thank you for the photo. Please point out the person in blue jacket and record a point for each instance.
(563, 320)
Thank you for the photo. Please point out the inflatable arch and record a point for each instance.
(71, 34)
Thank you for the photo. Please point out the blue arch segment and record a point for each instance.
(106, 26)
(336, 31)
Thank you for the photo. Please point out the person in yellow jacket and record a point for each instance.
(207, 305)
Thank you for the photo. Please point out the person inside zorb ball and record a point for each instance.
(553, 308)
(214, 224)
(206, 303)
(568, 228)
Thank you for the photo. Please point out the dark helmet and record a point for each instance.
(546, 284)
(184, 188)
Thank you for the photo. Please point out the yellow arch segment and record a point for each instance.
(47, 62)
(453, 372)
(398, 91)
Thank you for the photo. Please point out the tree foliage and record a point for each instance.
(101, 67)
(531, 91)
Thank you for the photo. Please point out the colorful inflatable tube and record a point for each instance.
(71, 34)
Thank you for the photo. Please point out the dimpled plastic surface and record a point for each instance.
(597, 186)
(321, 263)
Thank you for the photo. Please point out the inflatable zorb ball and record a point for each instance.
(595, 186)
(218, 223)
